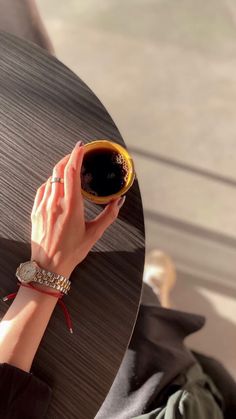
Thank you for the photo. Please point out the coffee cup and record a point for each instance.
(107, 171)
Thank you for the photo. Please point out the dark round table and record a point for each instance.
(44, 110)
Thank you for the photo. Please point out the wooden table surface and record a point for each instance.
(44, 110)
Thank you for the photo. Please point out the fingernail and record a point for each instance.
(121, 201)
(79, 144)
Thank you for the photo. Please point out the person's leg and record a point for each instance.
(160, 275)
(155, 356)
(22, 18)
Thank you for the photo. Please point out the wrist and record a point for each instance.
(41, 290)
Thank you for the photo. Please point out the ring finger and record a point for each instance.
(52, 190)
(57, 191)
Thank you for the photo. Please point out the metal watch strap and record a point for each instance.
(53, 280)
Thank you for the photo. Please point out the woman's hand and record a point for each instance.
(60, 237)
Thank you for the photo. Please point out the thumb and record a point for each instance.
(96, 227)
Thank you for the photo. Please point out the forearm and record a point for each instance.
(23, 326)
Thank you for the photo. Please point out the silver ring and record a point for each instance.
(57, 179)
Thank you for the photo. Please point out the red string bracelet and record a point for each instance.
(58, 295)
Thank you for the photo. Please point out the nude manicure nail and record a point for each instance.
(79, 144)
(121, 201)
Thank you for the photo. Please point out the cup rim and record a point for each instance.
(105, 199)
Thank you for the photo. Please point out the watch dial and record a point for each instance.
(28, 272)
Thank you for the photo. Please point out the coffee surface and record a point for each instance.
(104, 172)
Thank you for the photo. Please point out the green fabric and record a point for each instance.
(197, 399)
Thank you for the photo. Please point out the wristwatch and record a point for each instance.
(30, 271)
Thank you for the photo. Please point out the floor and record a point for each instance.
(165, 70)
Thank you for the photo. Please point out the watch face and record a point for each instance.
(27, 272)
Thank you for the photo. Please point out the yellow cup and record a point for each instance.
(110, 145)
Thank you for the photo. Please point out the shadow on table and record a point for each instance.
(114, 276)
(132, 211)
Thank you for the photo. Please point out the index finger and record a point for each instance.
(75, 161)
(76, 156)
(72, 177)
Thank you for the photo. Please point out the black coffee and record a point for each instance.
(104, 172)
